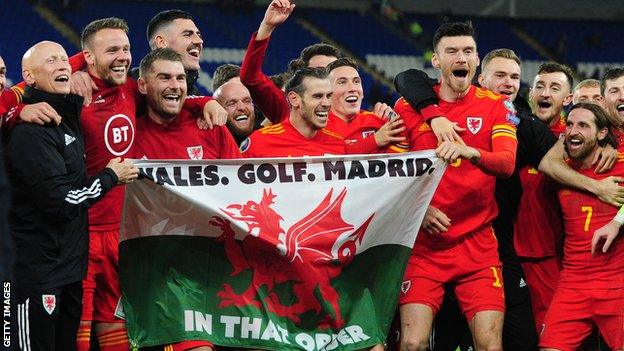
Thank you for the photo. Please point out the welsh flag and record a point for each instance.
(282, 254)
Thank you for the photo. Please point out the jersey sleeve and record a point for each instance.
(246, 148)
(194, 104)
(361, 145)
(411, 120)
(417, 89)
(78, 62)
(501, 161)
(229, 149)
(267, 96)
(10, 107)
(36, 161)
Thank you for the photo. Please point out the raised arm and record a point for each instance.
(266, 95)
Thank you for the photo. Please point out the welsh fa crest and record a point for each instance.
(474, 124)
(195, 152)
(49, 303)
(405, 286)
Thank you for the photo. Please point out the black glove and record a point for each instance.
(417, 88)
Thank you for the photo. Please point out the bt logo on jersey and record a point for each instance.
(119, 134)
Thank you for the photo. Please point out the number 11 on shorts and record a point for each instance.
(497, 280)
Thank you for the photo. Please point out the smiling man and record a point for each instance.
(49, 212)
(309, 94)
(168, 131)
(589, 292)
(364, 132)
(612, 87)
(456, 244)
(109, 125)
(176, 29)
(236, 100)
(588, 90)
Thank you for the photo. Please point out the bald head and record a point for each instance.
(45, 66)
(236, 100)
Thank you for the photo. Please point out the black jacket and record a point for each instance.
(6, 244)
(534, 141)
(51, 195)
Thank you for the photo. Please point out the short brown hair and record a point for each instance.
(224, 73)
(318, 49)
(342, 62)
(587, 83)
(610, 74)
(166, 54)
(554, 67)
(295, 83)
(163, 19)
(453, 29)
(502, 53)
(104, 23)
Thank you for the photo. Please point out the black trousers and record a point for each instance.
(48, 319)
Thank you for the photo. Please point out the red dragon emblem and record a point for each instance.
(316, 248)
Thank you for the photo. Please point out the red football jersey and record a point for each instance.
(182, 139)
(283, 140)
(272, 102)
(538, 231)
(359, 132)
(583, 213)
(108, 126)
(465, 193)
(619, 135)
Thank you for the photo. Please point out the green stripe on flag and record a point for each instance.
(174, 282)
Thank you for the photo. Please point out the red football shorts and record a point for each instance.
(188, 345)
(542, 275)
(101, 297)
(573, 313)
(472, 265)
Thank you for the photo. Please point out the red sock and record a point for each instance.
(83, 340)
(114, 340)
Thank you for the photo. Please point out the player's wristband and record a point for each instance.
(619, 217)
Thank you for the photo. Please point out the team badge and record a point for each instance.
(119, 134)
(119, 310)
(49, 303)
(509, 105)
(195, 152)
(405, 286)
(474, 124)
(367, 133)
(513, 119)
(245, 145)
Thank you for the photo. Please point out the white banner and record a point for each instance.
(174, 197)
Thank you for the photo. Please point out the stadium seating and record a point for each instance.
(23, 27)
(585, 44)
